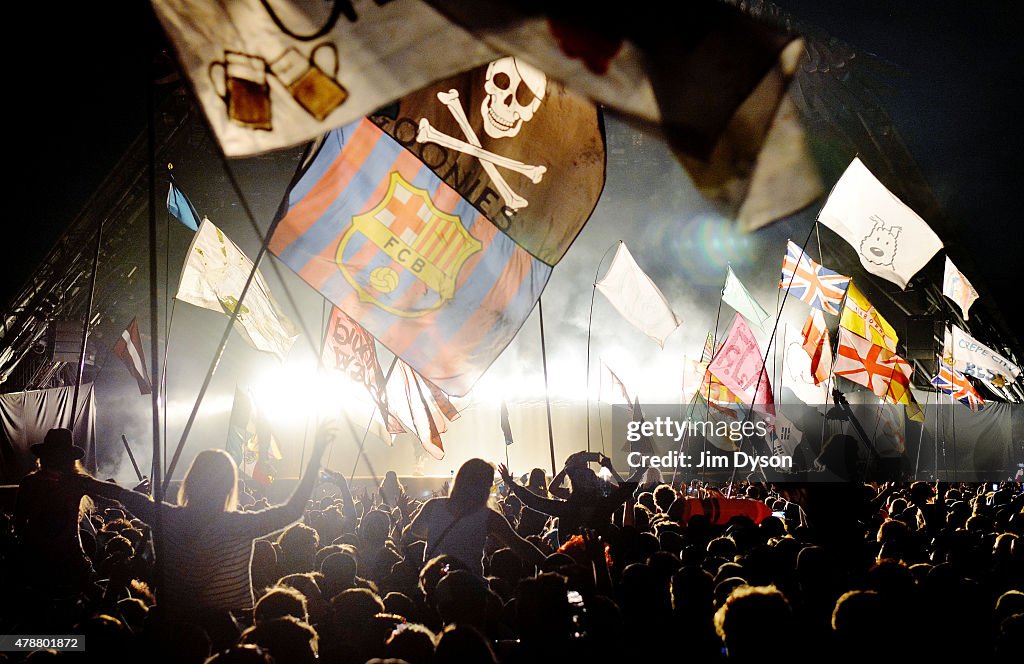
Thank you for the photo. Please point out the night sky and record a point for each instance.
(83, 100)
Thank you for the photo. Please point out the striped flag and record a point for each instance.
(129, 349)
(818, 346)
(380, 235)
(805, 280)
(881, 371)
(952, 382)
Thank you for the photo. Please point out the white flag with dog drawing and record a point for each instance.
(892, 240)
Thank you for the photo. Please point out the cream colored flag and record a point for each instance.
(214, 275)
(956, 287)
(891, 240)
(637, 298)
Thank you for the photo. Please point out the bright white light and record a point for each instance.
(293, 393)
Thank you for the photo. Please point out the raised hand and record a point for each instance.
(325, 435)
(506, 474)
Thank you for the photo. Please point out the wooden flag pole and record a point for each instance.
(547, 396)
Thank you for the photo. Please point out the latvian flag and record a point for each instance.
(129, 349)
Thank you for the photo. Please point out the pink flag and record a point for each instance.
(739, 365)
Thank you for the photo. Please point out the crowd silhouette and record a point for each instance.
(603, 569)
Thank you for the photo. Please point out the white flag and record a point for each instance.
(892, 241)
(636, 297)
(783, 436)
(976, 359)
(797, 374)
(273, 74)
(213, 277)
(956, 287)
(736, 295)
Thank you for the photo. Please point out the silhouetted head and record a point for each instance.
(211, 483)
(472, 487)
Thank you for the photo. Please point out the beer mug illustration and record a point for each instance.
(312, 87)
(242, 84)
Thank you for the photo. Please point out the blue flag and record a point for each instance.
(179, 206)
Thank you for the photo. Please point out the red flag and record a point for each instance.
(350, 349)
(818, 346)
(739, 365)
(129, 349)
(880, 370)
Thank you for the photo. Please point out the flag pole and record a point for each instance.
(215, 362)
(156, 478)
(547, 395)
(85, 324)
(920, 437)
(771, 340)
(373, 414)
(590, 321)
(714, 344)
(131, 457)
(319, 366)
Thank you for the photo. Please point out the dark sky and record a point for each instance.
(83, 100)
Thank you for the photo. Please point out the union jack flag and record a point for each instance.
(818, 286)
(951, 381)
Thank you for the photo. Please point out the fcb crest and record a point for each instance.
(404, 254)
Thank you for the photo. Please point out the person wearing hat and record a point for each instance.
(48, 509)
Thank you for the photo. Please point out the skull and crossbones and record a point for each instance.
(509, 82)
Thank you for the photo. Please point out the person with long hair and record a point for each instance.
(48, 510)
(459, 525)
(206, 548)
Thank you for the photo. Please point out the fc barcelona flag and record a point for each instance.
(380, 235)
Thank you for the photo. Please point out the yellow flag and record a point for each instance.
(861, 318)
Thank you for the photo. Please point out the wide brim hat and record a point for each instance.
(58, 443)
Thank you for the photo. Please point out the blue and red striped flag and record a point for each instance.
(951, 381)
(818, 286)
(380, 235)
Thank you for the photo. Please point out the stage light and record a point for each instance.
(294, 393)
